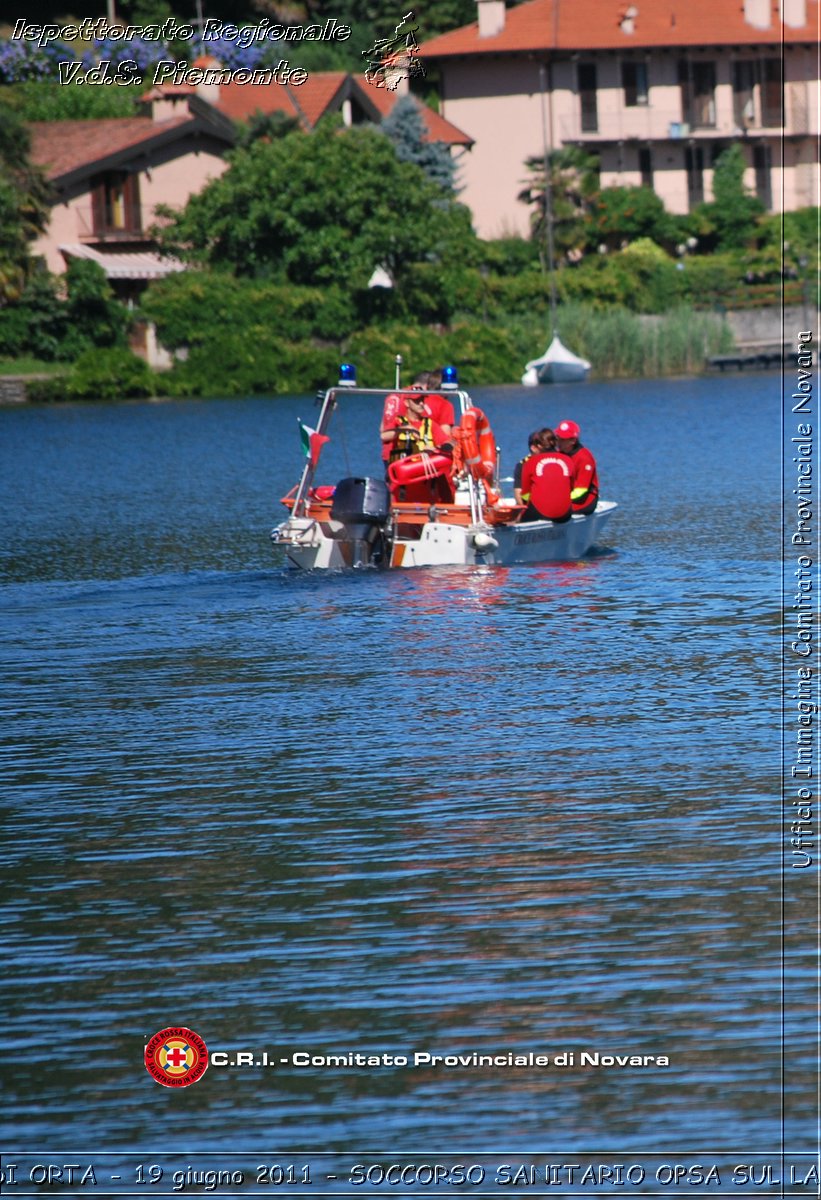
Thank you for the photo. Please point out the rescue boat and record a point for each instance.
(431, 510)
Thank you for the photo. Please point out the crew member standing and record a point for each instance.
(585, 491)
(439, 409)
(411, 430)
(414, 431)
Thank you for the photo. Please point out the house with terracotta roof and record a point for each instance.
(655, 88)
(325, 93)
(109, 175)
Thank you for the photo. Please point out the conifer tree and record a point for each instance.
(406, 128)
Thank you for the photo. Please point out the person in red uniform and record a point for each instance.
(547, 482)
(415, 432)
(411, 430)
(540, 441)
(585, 492)
(437, 408)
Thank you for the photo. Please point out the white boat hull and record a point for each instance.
(559, 372)
(313, 545)
(557, 365)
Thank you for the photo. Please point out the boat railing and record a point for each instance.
(329, 402)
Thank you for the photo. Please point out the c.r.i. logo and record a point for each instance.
(176, 1057)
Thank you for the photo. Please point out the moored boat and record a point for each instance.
(557, 365)
(432, 510)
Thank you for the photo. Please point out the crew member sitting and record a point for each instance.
(547, 479)
(539, 442)
(585, 492)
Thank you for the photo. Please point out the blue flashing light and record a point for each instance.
(347, 375)
(450, 378)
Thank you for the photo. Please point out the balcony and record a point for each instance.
(90, 231)
(651, 124)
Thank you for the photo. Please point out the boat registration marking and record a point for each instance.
(537, 535)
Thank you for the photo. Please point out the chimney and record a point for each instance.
(794, 13)
(628, 21)
(165, 101)
(491, 17)
(757, 13)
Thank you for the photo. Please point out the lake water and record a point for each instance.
(456, 811)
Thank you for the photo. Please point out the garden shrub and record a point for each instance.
(114, 374)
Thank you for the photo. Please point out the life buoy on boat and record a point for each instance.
(478, 450)
(478, 444)
(417, 467)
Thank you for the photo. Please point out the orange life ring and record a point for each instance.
(417, 467)
(478, 444)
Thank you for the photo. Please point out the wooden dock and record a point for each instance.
(754, 356)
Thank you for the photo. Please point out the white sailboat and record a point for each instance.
(557, 364)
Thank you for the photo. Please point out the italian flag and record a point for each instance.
(312, 443)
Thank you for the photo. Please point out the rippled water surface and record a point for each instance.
(455, 810)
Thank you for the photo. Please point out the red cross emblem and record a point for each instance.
(176, 1057)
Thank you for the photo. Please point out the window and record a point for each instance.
(743, 100)
(115, 201)
(772, 93)
(694, 164)
(646, 166)
(587, 97)
(634, 82)
(698, 84)
(762, 162)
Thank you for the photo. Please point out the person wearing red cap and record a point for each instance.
(584, 495)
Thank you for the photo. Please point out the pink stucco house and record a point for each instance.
(109, 175)
(656, 88)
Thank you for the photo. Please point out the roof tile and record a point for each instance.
(597, 25)
(60, 147)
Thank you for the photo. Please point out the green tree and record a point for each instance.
(262, 126)
(323, 210)
(51, 326)
(574, 184)
(24, 204)
(621, 215)
(95, 316)
(405, 126)
(730, 221)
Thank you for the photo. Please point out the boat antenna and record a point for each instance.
(548, 194)
(398, 361)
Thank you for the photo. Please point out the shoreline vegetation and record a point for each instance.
(285, 279)
(619, 343)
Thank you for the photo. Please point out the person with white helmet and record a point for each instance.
(584, 495)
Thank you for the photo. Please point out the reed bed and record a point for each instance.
(622, 344)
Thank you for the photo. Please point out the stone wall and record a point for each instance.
(13, 389)
(765, 324)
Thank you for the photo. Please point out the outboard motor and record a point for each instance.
(362, 507)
